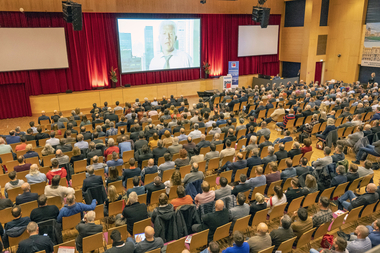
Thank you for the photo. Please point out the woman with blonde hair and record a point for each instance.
(257, 205)
(330, 127)
(112, 197)
(311, 183)
(171, 110)
(35, 176)
(167, 138)
(47, 150)
(174, 180)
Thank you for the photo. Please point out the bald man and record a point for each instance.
(86, 228)
(361, 242)
(370, 197)
(26, 196)
(213, 220)
(261, 240)
(149, 243)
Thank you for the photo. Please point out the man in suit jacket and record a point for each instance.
(35, 241)
(345, 113)
(322, 162)
(283, 233)
(282, 153)
(159, 151)
(175, 147)
(189, 146)
(243, 185)
(254, 160)
(86, 228)
(370, 197)
(156, 185)
(92, 180)
(224, 190)
(111, 116)
(340, 178)
(295, 150)
(241, 163)
(134, 211)
(26, 196)
(213, 220)
(203, 143)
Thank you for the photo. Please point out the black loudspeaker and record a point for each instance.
(69, 91)
(127, 85)
(261, 15)
(72, 13)
(265, 18)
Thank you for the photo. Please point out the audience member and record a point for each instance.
(73, 207)
(261, 240)
(26, 196)
(35, 242)
(206, 195)
(283, 233)
(14, 183)
(55, 170)
(182, 199)
(324, 215)
(134, 211)
(86, 228)
(44, 211)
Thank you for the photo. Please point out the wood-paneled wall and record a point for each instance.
(346, 37)
(145, 6)
(85, 99)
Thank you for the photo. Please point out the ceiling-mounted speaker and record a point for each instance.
(72, 13)
(261, 15)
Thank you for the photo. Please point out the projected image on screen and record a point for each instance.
(158, 44)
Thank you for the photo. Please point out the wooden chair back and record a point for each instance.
(118, 185)
(353, 215)
(222, 232)
(296, 160)
(77, 180)
(268, 250)
(149, 178)
(340, 189)
(14, 241)
(71, 221)
(287, 184)
(258, 189)
(173, 192)
(155, 196)
(295, 205)
(310, 199)
(368, 210)
(287, 246)
(354, 184)
(277, 212)
(305, 238)
(321, 230)
(176, 246)
(199, 240)
(260, 216)
(211, 180)
(154, 251)
(28, 207)
(338, 221)
(271, 187)
(115, 207)
(65, 244)
(128, 155)
(185, 170)
(92, 242)
(227, 159)
(139, 227)
(55, 201)
(213, 164)
(365, 181)
(6, 215)
(327, 192)
(227, 174)
(13, 193)
(122, 230)
(80, 166)
(142, 198)
(99, 212)
(38, 188)
(241, 224)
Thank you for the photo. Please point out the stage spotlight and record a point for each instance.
(203, 1)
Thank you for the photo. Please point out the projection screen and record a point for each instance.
(254, 40)
(32, 49)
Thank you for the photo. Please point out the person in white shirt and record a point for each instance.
(169, 57)
(52, 141)
(195, 133)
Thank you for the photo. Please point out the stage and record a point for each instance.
(84, 99)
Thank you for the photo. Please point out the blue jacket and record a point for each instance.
(251, 162)
(328, 130)
(67, 211)
(288, 172)
(139, 190)
(340, 179)
(148, 170)
(376, 116)
(286, 139)
(12, 139)
(235, 249)
(235, 167)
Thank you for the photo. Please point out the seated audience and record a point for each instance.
(35, 242)
(55, 189)
(35, 176)
(339, 244)
(294, 191)
(22, 166)
(311, 183)
(239, 244)
(149, 169)
(44, 211)
(240, 210)
(131, 172)
(26, 196)
(214, 220)
(277, 199)
(182, 199)
(338, 154)
(114, 176)
(340, 178)
(360, 242)
(206, 195)
(73, 207)
(194, 175)
(149, 243)
(167, 165)
(112, 197)
(14, 183)
(295, 150)
(16, 227)
(322, 162)
(352, 172)
(86, 228)
(243, 185)
(224, 190)
(134, 211)
(303, 168)
(289, 172)
(257, 205)
(324, 215)
(119, 245)
(261, 240)
(302, 222)
(367, 198)
(136, 188)
(62, 159)
(283, 233)
(156, 185)
(92, 180)
(366, 170)
(163, 207)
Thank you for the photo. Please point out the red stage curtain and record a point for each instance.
(94, 50)
(318, 72)
(14, 102)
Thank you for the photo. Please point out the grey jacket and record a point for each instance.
(322, 162)
(174, 149)
(353, 138)
(223, 192)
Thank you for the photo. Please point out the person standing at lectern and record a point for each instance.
(169, 57)
(372, 79)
